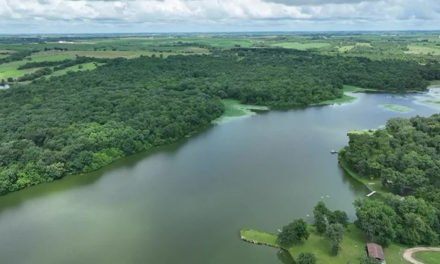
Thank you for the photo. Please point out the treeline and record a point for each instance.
(39, 64)
(35, 75)
(16, 56)
(58, 65)
(405, 157)
(410, 221)
(82, 121)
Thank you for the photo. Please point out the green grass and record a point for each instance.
(413, 49)
(75, 68)
(10, 70)
(251, 235)
(220, 42)
(301, 46)
(52, 56)
(397, 108)
(234, 109)
(428, 257)
(352, 246)
(346, 48)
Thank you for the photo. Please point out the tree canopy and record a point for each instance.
(82, 121)
(293, 233)
(405, 157)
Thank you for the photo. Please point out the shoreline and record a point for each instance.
(234, 105)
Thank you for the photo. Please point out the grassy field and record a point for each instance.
(10, 70)
(62, 55)
(397, 108)
(346, 48)
(428, 257)
(352, 246)
(426, 50)
(252, 236)
(75, 68)
(301, 46)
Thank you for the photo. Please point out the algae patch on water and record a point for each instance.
(431, 98)
(397, 108)
(234, 109)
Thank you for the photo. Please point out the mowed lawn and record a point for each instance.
(353, 246)
(428, 257)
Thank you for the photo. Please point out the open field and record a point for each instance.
(301, 46)
(413, 49)
(10, 70)
(352, 246)
(79, 67)
(404, 46)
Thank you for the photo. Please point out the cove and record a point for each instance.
(186, 203)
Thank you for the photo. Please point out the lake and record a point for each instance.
(186, 203)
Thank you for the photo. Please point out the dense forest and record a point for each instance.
(405, 157)
(82, 121)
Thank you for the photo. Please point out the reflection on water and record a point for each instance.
(284, 257)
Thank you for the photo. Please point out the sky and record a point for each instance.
(135, 16)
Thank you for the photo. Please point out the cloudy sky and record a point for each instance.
(90, 16)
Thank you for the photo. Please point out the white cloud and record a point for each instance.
(169, 14)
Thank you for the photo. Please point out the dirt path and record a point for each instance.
(408, 254)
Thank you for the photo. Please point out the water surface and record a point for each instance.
(186, 203)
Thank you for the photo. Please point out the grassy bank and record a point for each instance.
(352, 246)
(258, 237)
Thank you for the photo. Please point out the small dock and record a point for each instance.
(371, 193)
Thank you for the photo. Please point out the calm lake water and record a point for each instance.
(186, 203)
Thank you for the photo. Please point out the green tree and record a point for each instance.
(293, 233)
(339, 217)
(320, 214)
(335, 233)
(306, 258)
(368, 260)
(377, 220)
